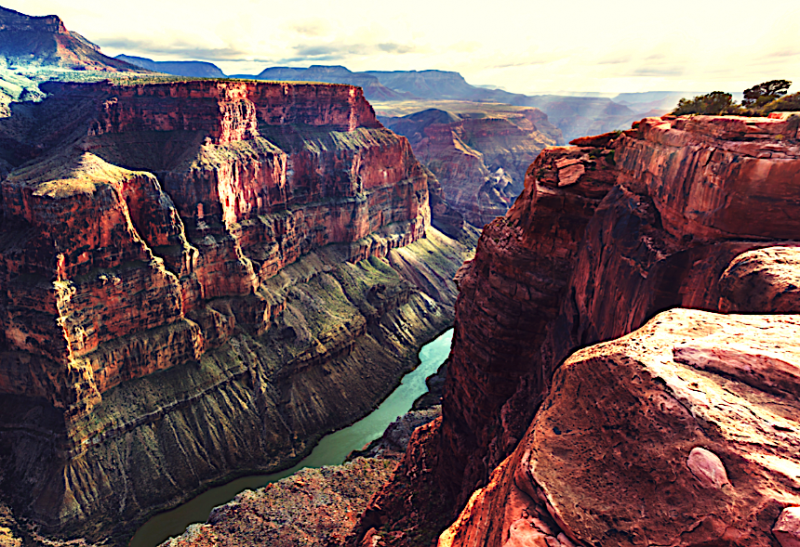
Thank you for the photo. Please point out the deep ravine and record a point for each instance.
(331, 450)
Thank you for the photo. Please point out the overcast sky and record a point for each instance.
(522, 46)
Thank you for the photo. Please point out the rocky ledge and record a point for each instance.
(313, 507)
(696, 212)
(199, 279)
(688, 435)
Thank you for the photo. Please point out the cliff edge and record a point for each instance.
(607, 234)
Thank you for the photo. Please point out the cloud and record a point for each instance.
(530, 61)
(344, 50)
(177, 50)
(666, 71)
(312, 28)
(320, 51)
(392, 47)
(614, 60)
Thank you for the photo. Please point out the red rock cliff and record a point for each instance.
(606, 234)
(111, 252)
(200, 278)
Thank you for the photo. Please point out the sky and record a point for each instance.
(608, 46)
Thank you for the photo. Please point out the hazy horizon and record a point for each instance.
(531, 48)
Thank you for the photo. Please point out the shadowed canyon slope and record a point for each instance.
(479, 155)
(695, 408)
(45, 42)
(199, 278)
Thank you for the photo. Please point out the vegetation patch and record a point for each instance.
(758, 100)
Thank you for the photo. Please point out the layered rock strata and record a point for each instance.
(607, 233)
(200, 278)
(479, 158)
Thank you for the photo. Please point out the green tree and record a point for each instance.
(761, 94)
(717, 102)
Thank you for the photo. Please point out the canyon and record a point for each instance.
(676, 431)
(479, 153)
(575, 116)
(200, 279)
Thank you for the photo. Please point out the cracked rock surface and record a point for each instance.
(644, 442)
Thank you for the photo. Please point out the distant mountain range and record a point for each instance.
(373, 88)
(196, 69)
(44, 43)
(574, 115)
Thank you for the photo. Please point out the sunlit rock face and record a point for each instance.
(227, 210)
(198, 278)
(680, 433)
(606, 234)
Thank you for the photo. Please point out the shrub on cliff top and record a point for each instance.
(766, 92)
(759, 100)
(717, 102)
(789, 103)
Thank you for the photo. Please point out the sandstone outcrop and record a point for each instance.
(479, 158)
(676, 212)
(200, 278)
(764, 280)
(688, 435)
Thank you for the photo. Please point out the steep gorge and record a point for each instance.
(607, 234)
(200, 279)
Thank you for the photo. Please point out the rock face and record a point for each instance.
(687, 436)
(200, 278)
(46, 42)
(608, 233)
(656, 230)
(479, 159)
(762, 280)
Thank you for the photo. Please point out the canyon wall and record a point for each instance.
(479, 155)
(200, 278)
(607, 234)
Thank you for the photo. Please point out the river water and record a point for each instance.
(331, 450)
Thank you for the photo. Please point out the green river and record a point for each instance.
(331, 450)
